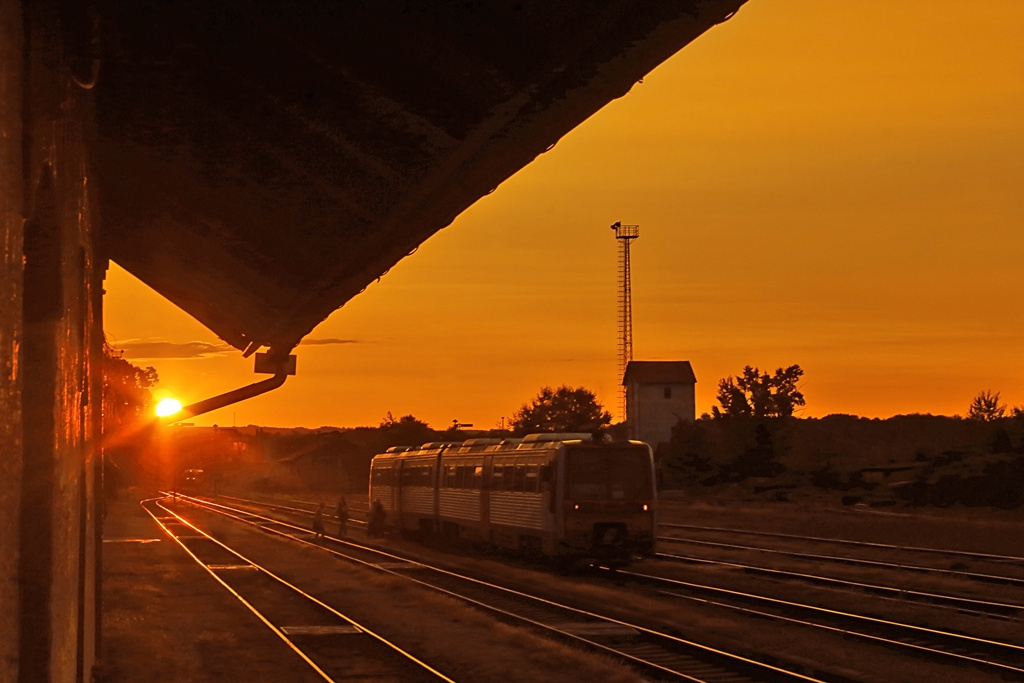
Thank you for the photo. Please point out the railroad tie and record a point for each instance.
(595, 629)
(319, 630)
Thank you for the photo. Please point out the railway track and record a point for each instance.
(994, 607)
(332, 645)
(1015, 560)
(953, 587)
(656, 653)
(302, 508)
(847, 560)
(1001, 657)
(955, 602)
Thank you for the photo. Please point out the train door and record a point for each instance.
(557, 502)
(384, 483)
(485, 497)
(436, 471)
(546, 486)
(399, 473)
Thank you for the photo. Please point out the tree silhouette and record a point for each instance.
(126, 389)
(753, 394)
(565, 409)
(405, 431)
(986, 407)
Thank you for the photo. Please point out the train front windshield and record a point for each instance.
(608, 474)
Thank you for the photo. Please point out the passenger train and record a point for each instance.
(575, 497)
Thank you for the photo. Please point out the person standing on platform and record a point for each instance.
(318, 522)
(375, 521)
(341, 512)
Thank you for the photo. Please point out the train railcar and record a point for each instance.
(193, 481)
(571, 496)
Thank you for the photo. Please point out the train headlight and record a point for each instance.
(645, 507)
(576, 506)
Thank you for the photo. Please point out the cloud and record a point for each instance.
(138, 349)
(327, 340)
(135, 349)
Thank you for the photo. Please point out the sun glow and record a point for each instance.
(168, 407)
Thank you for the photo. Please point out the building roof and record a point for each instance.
(261, 163)
(659, 372)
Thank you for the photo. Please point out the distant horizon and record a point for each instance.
(475, 430)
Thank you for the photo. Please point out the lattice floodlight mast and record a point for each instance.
(625, 234)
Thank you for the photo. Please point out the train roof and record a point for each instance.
(566, 436)
(531, 442)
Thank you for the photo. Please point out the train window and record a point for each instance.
(510, 477)
(531, 478)
(415, 476)
(383, 476)
(478, 478)
(449, 476)
(520, 484)
(497, 476)
(614, 473)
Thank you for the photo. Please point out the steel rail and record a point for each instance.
(864, 544)
(836, 629)
(284, 504)
(286, 508)
(276, 631)
(1010, 648)
(974, 576)
(294, 588)
(935, 599)
(739, 659)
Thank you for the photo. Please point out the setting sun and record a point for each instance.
(168, 407)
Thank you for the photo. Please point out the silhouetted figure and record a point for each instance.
(375, 521)
(341, 512)
(318, 522)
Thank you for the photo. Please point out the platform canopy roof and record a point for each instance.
(261, 162)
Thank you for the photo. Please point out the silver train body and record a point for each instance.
(559, 495)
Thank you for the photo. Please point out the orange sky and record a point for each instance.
(834, 184)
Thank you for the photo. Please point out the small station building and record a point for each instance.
(658, 395)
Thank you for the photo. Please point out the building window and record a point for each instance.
(668, 392)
